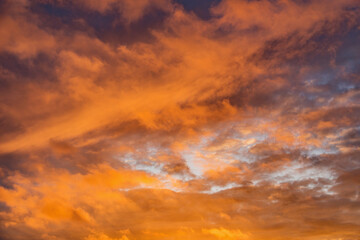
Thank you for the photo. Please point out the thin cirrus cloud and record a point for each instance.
(159, 119)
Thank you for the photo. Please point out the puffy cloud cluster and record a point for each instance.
(160, 119)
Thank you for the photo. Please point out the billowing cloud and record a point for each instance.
(160, 119)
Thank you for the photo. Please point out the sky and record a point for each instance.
(180, 120)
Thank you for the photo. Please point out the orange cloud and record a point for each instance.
(157, 119)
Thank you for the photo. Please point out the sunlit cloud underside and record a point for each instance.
(180, 119)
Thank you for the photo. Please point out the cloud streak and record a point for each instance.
(157, 119)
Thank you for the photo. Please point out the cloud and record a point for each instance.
(161, 119)
(222, 233)
(101, 236)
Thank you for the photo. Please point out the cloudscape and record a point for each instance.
(180, 119)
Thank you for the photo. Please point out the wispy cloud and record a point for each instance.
(159, 119)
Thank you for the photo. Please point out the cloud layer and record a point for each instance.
(159, 119)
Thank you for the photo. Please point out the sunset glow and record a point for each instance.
(180, 120)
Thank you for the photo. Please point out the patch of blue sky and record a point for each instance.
(315, 151)
(215, 189)
(297, 171)
(153, 169)
(192, 161)
(197, 156)
(143, 165)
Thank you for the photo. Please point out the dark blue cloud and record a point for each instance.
(108, 26)
(200, 7)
